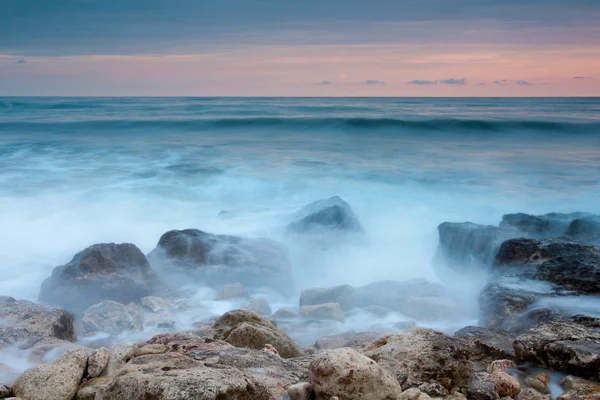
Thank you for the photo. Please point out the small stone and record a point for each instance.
(270, 349)
(501, 366)
(505, 384)
(309, 350)
(232, 291)
(260, 306)
(300, 391)
(97, 362)
(331, 311)
(537, 385)
(433, 389)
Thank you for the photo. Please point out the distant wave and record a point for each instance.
(459, 125)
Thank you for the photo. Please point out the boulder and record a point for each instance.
(58, 380)
(331, 311)
(343, 295)
(284, 314)
(487, 345)
(579, 389)
(501, 304)
(585, 229)
(27, 320)
(175, 376)
(540, 226)
(481, 387)
(243, 328)
(260, 306)
(113, 318)
(422, 355)
(346, 339)
(532, 394)
(107, 271)
(118, 357)
(351, 376)
(232, 291)
(157, 304)
(429, 308)
(564, 346)
(97, 362)
(300, 391)
(393, 294)
(221, 259)
(333, 214)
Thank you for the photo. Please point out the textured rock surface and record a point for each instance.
(108, 271)
(343, 295)
(232, 291)
(486, 344)
(157, 304)
(421, 355)
(351, 376)
(58, 380)
(346, 339)
(113, 318)
(506, 385)
(97, 361)
(243, 328)
(260, 306)
(27, 320)
(579, 389)
(284, 314)
(331, 311)
(300, 391)
(325, 215)
(221, 259)
(393, 294)
(502, 304)
(482, 388)
(118, 357)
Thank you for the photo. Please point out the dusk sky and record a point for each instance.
(300, 47)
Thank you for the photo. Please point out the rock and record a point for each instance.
(48, 349)
(29, 320)
(97, 362)
(283, 314)
(332, 214)
(331, 311)
(430, 308)
(422, 354)
(156, 348)
(260, 306)
(532, 394)
(377, 311)
(182, 342)
(309, 350)
(4, 392)
(343, 295)
(393, 294)
(565, 346)
(433, 388)
(271, 350)
(351, 376)
(579, 389)
(108, 271)
(405, 325)
(93, 388)
(243, 328)
(118, 357)
(157, 304)
(346, 339)
(232, 291)
(539, 383)
(58, 380)
(540, 226)
(413, 394)
(300, 391)
(502, 304)
(486, 344)
(482, 388)
(585, 229)
(113, 318)
(175, 376)
(505, 384)
(501, 366)
(220, 259)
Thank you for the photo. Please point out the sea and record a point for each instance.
(80, 171)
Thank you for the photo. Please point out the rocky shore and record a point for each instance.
(116, 324)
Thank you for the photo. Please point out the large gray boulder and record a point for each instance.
(25, 321)
(332, 214)
(112, 318)
(344, 295)
(217, 260)
(108, 271)
(487, 345)
(540, 226)
(394, 294)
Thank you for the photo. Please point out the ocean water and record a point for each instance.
(79, 171)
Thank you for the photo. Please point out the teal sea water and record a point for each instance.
(78, 171)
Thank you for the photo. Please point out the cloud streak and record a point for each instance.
(452, 81)
(373, 82)
(421, 82)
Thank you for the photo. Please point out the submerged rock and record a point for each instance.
(157, 304)
(108, 271)
(331, 311)
(393, 294)
(113, 318)
(260, 306)
(346, 339)
(222, 259)
(540, 226)
(323, 215)
(343, 295)
(232, 291)
(31, 321)
(351, 376)
(284, 314)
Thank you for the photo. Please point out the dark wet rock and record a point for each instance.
(579, 389)
(501, 304)
(222, 259)
(117, 272)
(423, 354)
(433, 388)
(26, 320)
(585, 229)
(260, 306)
(564, 346)
(323, 215)
(113, 318)
(487, 345)
(482, 388)
(243, 328)
(343, 295)
(532, 394)
(329, 311)
(346, 339)
(350, 375)
(540, 226)
(393, 294)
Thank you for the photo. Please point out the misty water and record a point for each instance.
(79, 171)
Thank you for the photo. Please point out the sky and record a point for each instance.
(299, 48)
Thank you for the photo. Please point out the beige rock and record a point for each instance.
(331, 311)
(113, 318)
(58, 380)
(232, 291)
(271, 350)
(150, 349)
(501, 365)
(4, 392)
(579, 389)
(539, 382)
(97, 361)
(157, 304)
(118, 357)
(93, 387)
(413, 394)
(351, 376)
(300, 391)
(532, 394)
(505, 384)
(346, 339)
